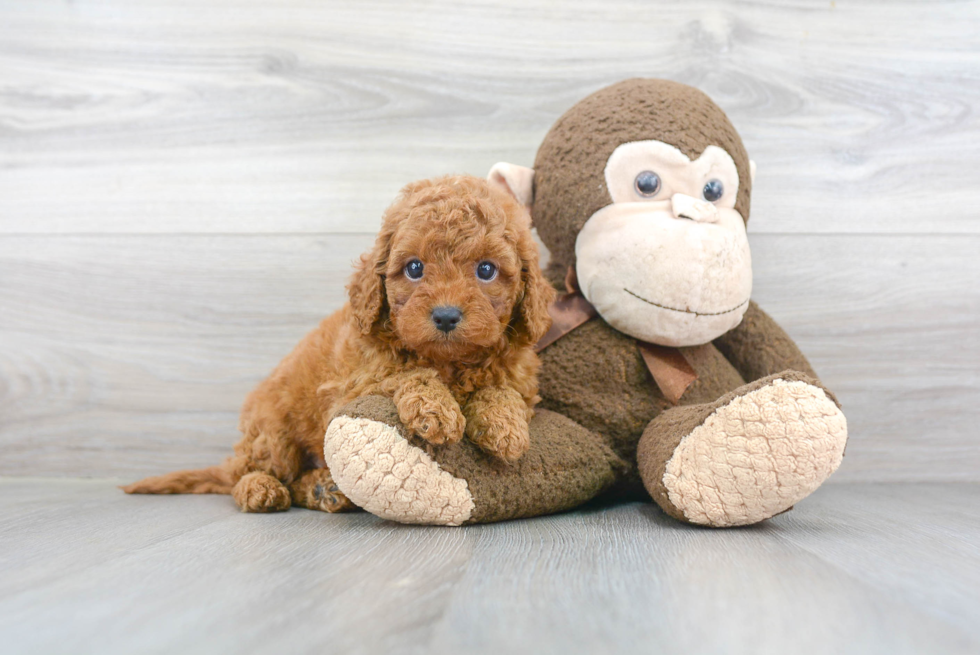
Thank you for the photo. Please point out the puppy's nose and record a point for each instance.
(446, 318)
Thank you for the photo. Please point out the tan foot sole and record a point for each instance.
(384, 474)
(757, 456)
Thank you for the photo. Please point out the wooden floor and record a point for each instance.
(854, 569)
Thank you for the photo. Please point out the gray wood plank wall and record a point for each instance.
(183, 186)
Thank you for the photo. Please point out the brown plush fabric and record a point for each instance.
(565, 466)
(758, 347)
(661, 437)
(596, 376)
(556, 273)
(569, 185)
(716, 375)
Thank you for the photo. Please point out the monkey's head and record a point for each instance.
(643, 188)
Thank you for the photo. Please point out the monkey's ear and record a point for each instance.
(518, 181)
(752, 171)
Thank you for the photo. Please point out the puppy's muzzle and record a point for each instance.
(446, 318)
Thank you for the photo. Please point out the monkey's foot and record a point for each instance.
(393, 474)
(748, 456)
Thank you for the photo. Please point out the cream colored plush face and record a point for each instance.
(667, 267)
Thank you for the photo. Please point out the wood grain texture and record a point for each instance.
(130, 355)
(852, 569)
(244, 116)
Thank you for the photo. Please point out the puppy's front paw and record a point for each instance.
(497, 423)
(508, 439)
(436, 419)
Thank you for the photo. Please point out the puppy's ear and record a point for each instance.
(368, 298)
(531, 317)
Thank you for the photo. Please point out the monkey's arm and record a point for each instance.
(759, 347)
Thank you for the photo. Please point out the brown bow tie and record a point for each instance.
(671, 371)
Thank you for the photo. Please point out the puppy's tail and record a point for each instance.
(212, 480)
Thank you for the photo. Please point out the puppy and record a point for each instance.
(443, 315)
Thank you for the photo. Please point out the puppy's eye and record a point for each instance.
(713, 190)
(486, 271)
(413, 270)
(647, 184)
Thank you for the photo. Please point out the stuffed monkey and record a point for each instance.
(660, 377)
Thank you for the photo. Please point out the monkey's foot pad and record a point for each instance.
(757, 456)
(380, 471)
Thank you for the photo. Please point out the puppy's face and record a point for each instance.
(453, 278)
(454, 272)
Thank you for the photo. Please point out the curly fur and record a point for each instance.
(479, 379)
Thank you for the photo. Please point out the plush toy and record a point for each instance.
(660, 377)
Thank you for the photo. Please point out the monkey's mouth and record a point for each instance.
(688, 311)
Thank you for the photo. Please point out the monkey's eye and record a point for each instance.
(713, 190)
(413, 270)
(486, 271)
(647, 184)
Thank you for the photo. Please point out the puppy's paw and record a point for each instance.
(317, 490)
(426, 407)
(497, 423)
(508, 440)
(260, 492)
(436, 419)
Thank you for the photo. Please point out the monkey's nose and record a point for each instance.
(446, 318)
(693, 209)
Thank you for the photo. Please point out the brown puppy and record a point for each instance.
(443, 314)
